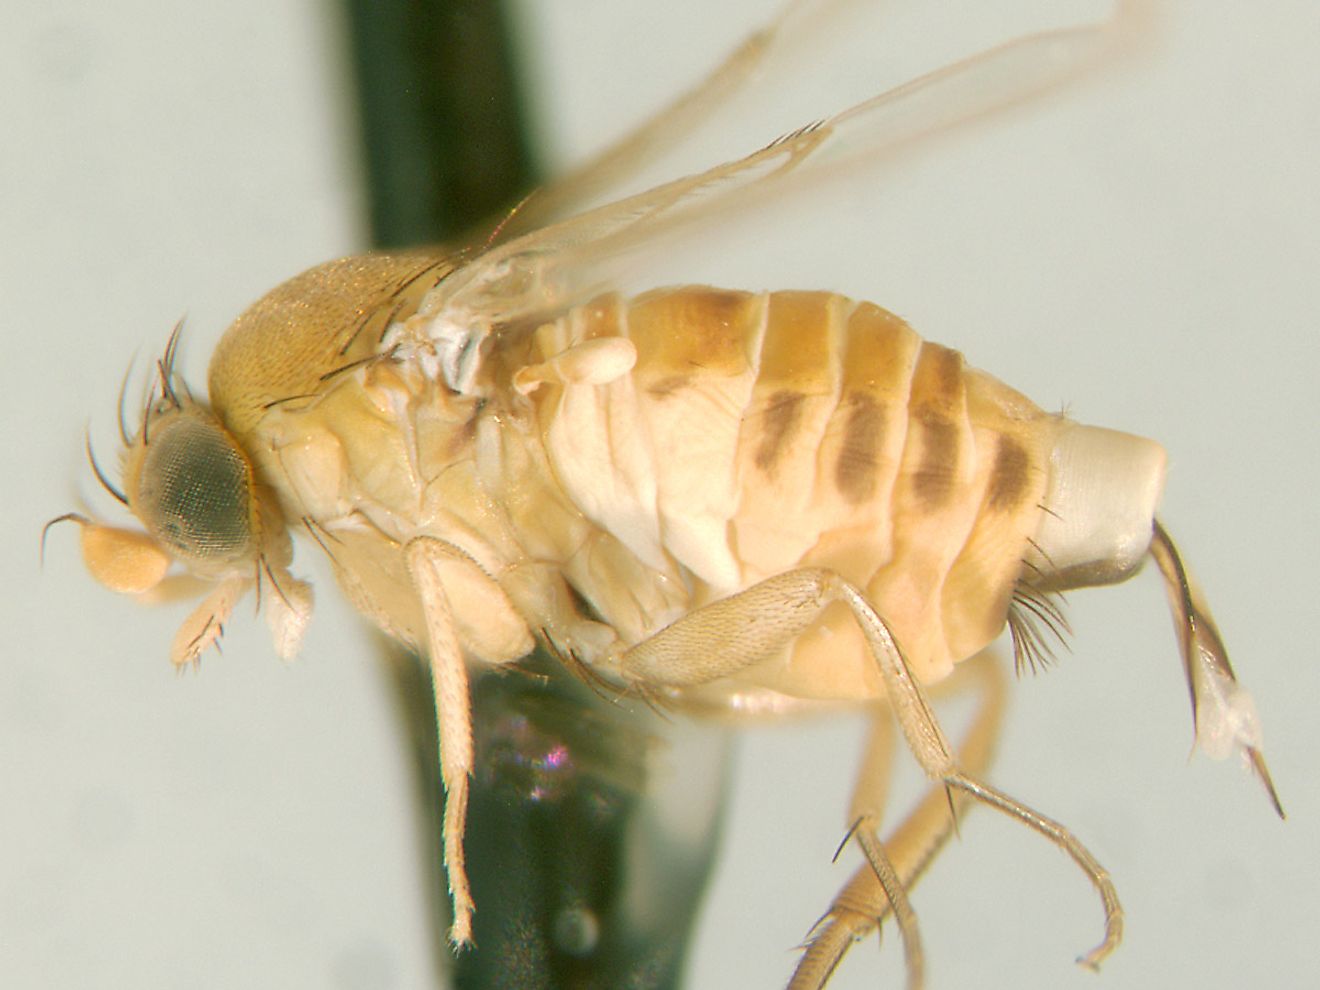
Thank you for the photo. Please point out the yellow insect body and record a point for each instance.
(750, 500)
(741, 436)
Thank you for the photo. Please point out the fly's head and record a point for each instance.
(207, 524)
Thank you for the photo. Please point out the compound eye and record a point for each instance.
(194, 490)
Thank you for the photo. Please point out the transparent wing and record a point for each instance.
(675, 123)
(544, 271)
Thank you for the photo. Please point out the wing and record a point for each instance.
(547, 270)
(756, 57)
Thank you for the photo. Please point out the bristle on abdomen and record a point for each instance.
(758, 433)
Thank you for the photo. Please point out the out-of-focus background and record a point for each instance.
(1142, 250)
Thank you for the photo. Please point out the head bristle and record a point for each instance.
(100, 475)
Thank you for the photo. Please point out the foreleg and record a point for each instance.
(426, 560)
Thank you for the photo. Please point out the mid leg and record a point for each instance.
(863, 903)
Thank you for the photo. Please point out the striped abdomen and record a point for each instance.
(761, 432)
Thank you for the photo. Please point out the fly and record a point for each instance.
(714, 499)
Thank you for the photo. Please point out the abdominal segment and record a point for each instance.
(757, 433)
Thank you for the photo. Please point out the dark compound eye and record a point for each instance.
(194, 491)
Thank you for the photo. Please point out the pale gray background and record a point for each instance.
(1144, 251)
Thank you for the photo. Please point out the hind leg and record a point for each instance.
(734, 633)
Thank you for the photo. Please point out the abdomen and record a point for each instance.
(757, 433)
